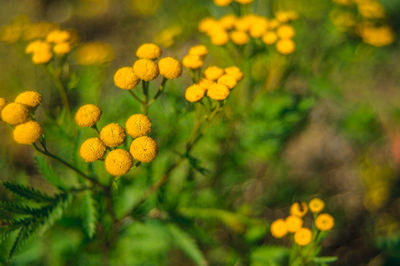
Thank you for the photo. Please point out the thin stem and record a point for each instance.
(159, 92)
(135, 96)
(145, 87)
(61, 89)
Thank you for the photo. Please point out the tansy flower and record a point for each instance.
(371, 10)
(269, 37)
(244, 2)
(206, 24)
(324, 222)
(278, 228)
(2, 103)
(227, 80)
(29, 98)
(242, 24)
(205, 83)
(213, 72)
(303, 236)
(146, 69)
(125, 78)
(27, 133)
(316, 205)
(220, 38)
(94, 53)
(259, 27)
(285, 46)
(199, 50)
(58, 36)
(293, 223)
(285, 16)
(285, 32)
(138, 125)
(228, 21)
(87, 115)
(239, 37)
(62, 48)
(112, 135)
(234, 72)
(15, 113)
(36, 45)
(170, 68)
(92, 149)
(273, 24)
(42, 54)
(194, 93)
(297, 210)
(376, 36)
(148, 51)
(218, 92)
(192, 62)
(222, 2)
(118, 162)
(143, 149)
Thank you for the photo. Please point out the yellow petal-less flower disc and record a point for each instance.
(228, 21)
(227, 80)
(15, 113)
(192, 61)
(62, 48)
(269, 37)
(213, 73)
(199, 50)
(29, 98)
(242, 24)
(297, 210)
(285, 46)
(125, 78)
(239, 37)
(316, 205)
(113, 135)
(207, 23)
(293, 223)
(222, 2)
(92, 149)
(244, 2)
(94, 53)
(42, 55)
(285, 16)
(36, 45)
(259, 27)
(138, 125)
(205, 83)
(324, 222)
(148, 51)
(146, 69)
(118, 162)
(278, 228)
(218, 92)
(285, 32)
(273, 24)
(194, 93)
(27, 133)
(87, 115)
(3, 103)
(58, 36)
(143, 149)
(303, 236)
(170, 68)
(220, 38)
(234, 72)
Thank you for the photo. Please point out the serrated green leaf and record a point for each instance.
(325, 259)
(48, 172)
(89, 214)
(29, 193)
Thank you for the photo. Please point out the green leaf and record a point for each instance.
(29, 193)
(89, 214)
(17, 208)
(48, 172)
(187, 244)
(270, 255)
(323, 260)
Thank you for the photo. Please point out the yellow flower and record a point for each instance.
(296, 210)
(293, 223)
(259, 27)
(125, 78)
(278, 228)
(118, 162)
(228, 21)
(112, 135)
(94, 53)
(15, 113)
(244, 2)
(36, 45)
(42, 57)
(143, 149)
(285, 32)
(192, 61)
(371, 10)
(27, 133)
(205, 83)
(198, 50)
(87, 115)
(242, 24)
(194, 93)
(344, 2)
(29, 98)
(222, 2)
(138, 125)
(285, 46)
(145, 69)
(58, 36)
(228, 81)
(218, 92)
(2, 103)
(148, 51)
(303, 236)
(170, 68)
(273, 24)
(213, 72)
(92, 149)
(62, 48)
(239, 37)
(376, 36)
(324, 222)
(285, 16)
(220, 38)
(206, 24)
(269, 37)
(234, 72)
(316, 205)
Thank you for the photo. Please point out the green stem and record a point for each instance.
(135, 96)
(159, 92)
(145, 103)
(61, 89)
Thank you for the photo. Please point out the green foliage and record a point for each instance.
(48, 172)
(270, 255)
(89, 214)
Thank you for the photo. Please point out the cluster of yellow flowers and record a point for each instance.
(19, 114)
(228, 2)
(371, 27)
(295, 224)
(118, 161)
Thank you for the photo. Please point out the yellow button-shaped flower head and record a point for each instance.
(118, 162)
(316, 205)
(62, 48)
(42, 54)
(138, 125)
(145, 69)
(58, 36)
(269, 37)
(213, 72)
(148, 51)
(170, 68)
(239, 37)
(285, 46)
(27, 133)
(234, 72)
(2, 103)
(15, 113)
(222, 2)
(278, 228)
(218, 92)
(112, 135)
(298, 210)
(205, 83)
(192, 61)
(87, 115)
(303, 236)
(273, 24)
(228, 81)
(228, 21)
(244, 2)
(293, 223)
(143, 149)
(194, 93)
(207, 23)
(285, 32)
(92, 149)
(199, 50)
(220, 38)
(324, 222)
(125, 78)
(259, 27)
(29, 98)
(36, 45)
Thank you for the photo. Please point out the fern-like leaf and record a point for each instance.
(17, 208)
(29, 193)
(89, 214)
(48, 173)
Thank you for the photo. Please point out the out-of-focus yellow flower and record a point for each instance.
(344, 2)
(3, 103)
(29, 98)
(324, 222)
(15, 113)
(170, 68)
(285, 31)
(285, 16)
(92, 149)
(316, 205)
(146, 69)
(243, 23)
(118, 162)
(35, 45)
(138, 125)
(342, 19)
(218, 92)
(167, 36)
(62, 48)
(10, 33)
(269, 37)
(194, 93)
(376, 36)
(58, 36)
(143, 149)
(371, 9)
(205, 83)
(228, 21)
(227, 80)
(259, 27)
(285, 46)
(125, 78)
(293, 223)
(38, 30)
(234, 72)
(148, 51)
(87, 115)
(278, 228)
(213, 73)
(94, 53)
(273, 24)
(199, 50)
(27, 133)
(239, 37)
(192, 61)
(303, 236)
(244, 2)
(220, 38)
(42, 56)
(207, 23)
(297, 210)
(222, 2)
(112, 135)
